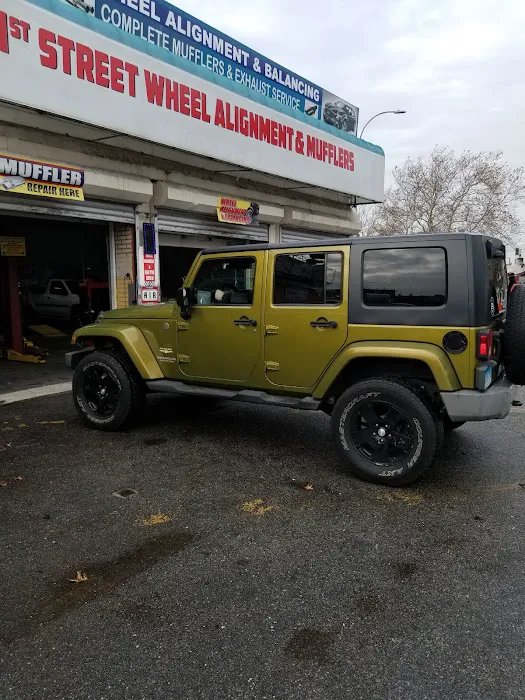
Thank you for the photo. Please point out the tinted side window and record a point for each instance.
(222, 281)
(307, 278)
(405, 277)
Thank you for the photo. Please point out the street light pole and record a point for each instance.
(390, 111)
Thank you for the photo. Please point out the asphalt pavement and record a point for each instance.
(219, 551)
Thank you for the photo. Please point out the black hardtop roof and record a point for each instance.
(352, 241)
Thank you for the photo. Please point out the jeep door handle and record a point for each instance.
(245, 322)
(323, 323)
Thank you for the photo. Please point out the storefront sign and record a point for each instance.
(66, 61)
(149, 295)
(12, 246)
(22, 176)
(237, 211)
(163, 25)
(148, 267)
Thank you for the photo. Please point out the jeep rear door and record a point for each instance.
(306, 313)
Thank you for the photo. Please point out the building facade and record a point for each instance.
(127, 119)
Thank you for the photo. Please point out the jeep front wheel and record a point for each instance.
(385, 432)
(106, 393)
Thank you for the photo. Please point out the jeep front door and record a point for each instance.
(306, 314)
(222, 339)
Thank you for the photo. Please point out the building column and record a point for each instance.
(274, 233)
(124, 246)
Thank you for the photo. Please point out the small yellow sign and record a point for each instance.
(237, 211)
(12, 246)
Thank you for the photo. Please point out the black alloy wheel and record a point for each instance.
(101, 390)
(385, 431)
(107, 391)
(381, 433)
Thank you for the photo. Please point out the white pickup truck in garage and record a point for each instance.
(59, 299)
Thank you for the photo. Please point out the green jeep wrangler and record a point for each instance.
(397, 338)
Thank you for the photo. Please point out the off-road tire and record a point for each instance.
(514, 338)
(425, 427)
(131, 391)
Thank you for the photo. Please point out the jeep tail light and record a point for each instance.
(485, 344)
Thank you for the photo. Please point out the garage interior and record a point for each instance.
(63, 282)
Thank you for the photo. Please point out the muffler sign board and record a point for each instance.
(22, 176)
(70, 63)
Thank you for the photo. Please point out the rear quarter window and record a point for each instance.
(405, 277)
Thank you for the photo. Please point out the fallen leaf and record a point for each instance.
(19, 478)
(80, 577)
(157, 519)
(306, 485)
(256, 507)
(3, 484)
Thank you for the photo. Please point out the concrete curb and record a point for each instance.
(34, 393)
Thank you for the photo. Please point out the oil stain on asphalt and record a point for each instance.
(310, 645)
(102, 579)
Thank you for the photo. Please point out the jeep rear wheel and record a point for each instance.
(106, 393)
(514, 338)
(385, 432)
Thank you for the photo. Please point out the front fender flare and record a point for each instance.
(133, 342)
(435, 358)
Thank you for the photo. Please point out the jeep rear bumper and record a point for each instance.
(467, 404)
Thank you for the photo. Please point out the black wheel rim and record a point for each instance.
(381, 433)
(101, 391)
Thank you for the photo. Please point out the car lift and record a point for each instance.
(17, 347)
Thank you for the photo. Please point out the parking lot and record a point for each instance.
(239, 561)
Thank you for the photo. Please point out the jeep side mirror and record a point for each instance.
(183, 298)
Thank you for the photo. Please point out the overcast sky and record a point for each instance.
(457, 67)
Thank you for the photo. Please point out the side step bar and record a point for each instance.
(165, 386)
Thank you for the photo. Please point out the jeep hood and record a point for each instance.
(140, 312)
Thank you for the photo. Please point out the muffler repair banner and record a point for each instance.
(22, 176)
(68, 62)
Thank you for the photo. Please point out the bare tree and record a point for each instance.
(477, 192)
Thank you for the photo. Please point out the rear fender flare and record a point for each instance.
(435, 358)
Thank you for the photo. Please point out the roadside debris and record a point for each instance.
(80, 577)
(256, 507)
(5, 482)
(157, 519)
(410, 499)
(305, 485)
